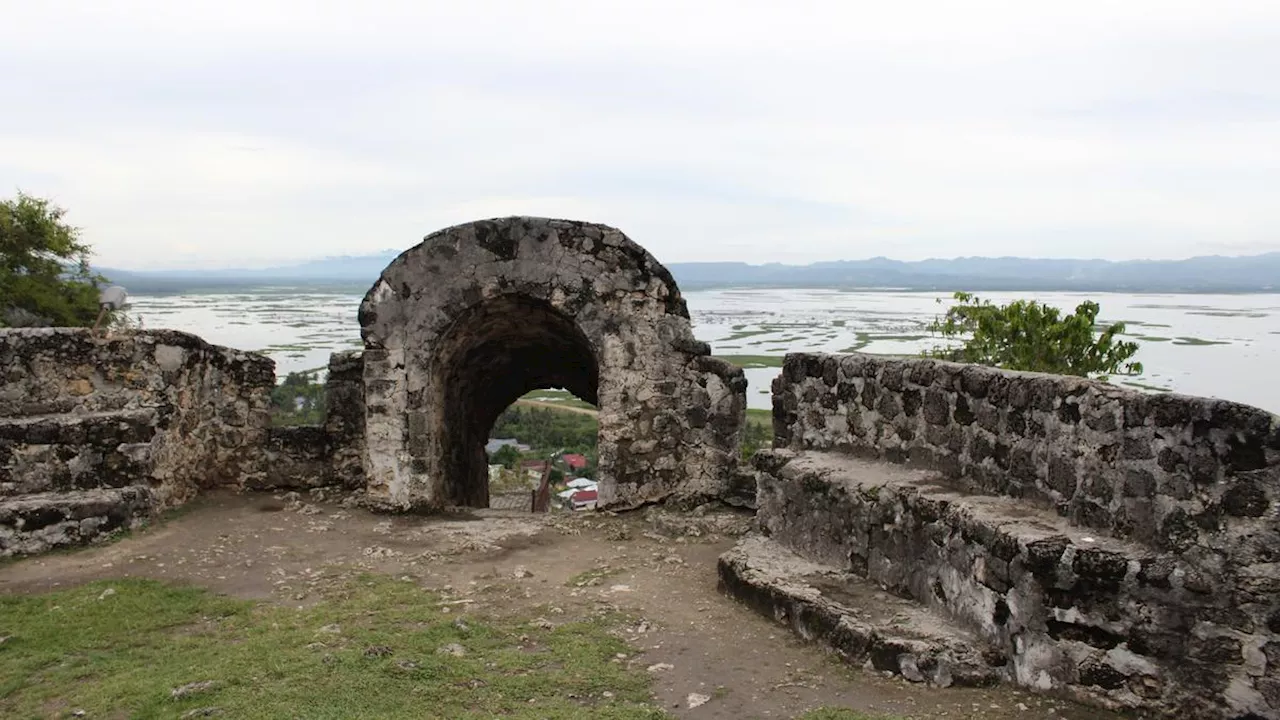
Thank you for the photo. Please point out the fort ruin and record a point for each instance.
(951, 524)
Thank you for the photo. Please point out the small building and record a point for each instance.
(497, 444)
(584, 499)
(574, 461)
(534, 468)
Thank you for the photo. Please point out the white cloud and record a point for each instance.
(238, 133)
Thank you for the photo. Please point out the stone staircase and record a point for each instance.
(72, 478)
(98, 432)
(1143, 575)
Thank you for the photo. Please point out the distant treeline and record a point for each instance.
(547, 431)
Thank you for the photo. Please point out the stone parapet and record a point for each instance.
(1171, 471)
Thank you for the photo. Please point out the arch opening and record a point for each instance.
(491, 355)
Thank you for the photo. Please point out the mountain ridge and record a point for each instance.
(1204, 273)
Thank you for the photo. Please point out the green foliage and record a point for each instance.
(299, 400)
(44, 267)
(507, 456)
(546, 431)
(757, 433)
(1028, 335)
(371, 648)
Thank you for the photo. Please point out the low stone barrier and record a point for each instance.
(1116, 546)
(123, 425)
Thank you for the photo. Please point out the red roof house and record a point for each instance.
(584, 498)
(574, 460)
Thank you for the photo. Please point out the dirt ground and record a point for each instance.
(690, 636)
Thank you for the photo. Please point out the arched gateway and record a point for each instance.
(476, 315)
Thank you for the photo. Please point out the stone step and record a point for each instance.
(865, 624)
(36, 523)
(104, 428)
(1115, 623)
(63, 452)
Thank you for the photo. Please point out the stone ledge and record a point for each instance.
(1109, 622)
(861, 622)
(107, 428)
(41, 522)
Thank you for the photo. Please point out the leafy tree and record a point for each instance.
(507, 456)
(299, 400)
(44, 267)
(547, 430)
(1028, 335)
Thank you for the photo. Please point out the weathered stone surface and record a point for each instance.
(158, 408)
(40, 522)
(96, 432)
(862, 622)
(477, 315)
(1115, 546)
(296, 458)
(1067, 608)
(1050, 437)
(344, 418)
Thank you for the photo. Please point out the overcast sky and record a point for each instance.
(236, 133)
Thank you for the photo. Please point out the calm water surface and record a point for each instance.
(1225, 346)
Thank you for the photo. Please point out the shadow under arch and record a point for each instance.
(491, 355)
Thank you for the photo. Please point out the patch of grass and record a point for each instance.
(593, 576)
(1198, 341)
(374, 648)
(1153, 338)
(754, 361)
(862, 340)
(739, 334)
(758, 416)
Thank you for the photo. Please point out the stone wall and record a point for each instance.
(310, 456)
(1170, 470)
(1115, 545)
(122, 425)
(209, 405)
(344, 419)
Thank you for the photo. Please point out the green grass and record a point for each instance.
(563, 398)
(754, 361)
(121, 655)
(863, 339)
(1198, 341)
(591, 577)
(739, 333)
(758, 416)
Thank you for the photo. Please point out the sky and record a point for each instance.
(230, 133)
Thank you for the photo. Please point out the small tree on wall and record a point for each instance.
(1032, 336)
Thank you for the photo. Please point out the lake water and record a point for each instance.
(1225, 346)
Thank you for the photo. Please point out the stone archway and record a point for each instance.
(476, 315)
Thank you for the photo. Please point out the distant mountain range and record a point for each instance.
(1256, 273)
